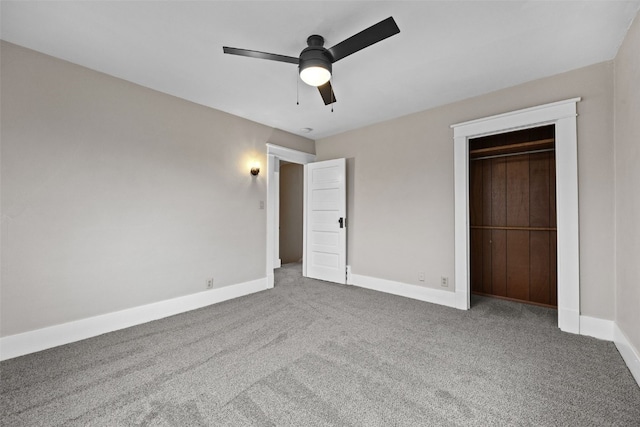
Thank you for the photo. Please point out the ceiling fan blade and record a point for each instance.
(326, 91)
(260, 55)
(365, 38)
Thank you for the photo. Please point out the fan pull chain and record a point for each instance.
(297, 90)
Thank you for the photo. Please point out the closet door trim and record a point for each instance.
(563, 115)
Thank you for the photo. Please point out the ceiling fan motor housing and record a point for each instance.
(315, 55)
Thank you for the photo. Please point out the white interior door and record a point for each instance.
(325, 220)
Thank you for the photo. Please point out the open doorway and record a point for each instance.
(276, 156)
(324, 249)
(512, 215)
(291, 212)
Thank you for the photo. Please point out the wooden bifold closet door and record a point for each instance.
(513, 223)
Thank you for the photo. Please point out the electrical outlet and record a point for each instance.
(261, 205)
(444, 282)
(421, 276)
(210, 283)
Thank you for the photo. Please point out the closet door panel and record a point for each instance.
(517, 191)
(539, 190)
(487, 246)
(552, 192)
(499, 262)
(476, 193)
(487, 180)
(518, 264)
(540, 267)
(553, 279)
(498, 193)
(477, 260)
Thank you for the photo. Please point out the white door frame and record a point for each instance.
(275, 153)
(562, 114)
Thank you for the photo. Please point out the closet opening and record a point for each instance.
(512, 216)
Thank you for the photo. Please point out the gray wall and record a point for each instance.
(627, 128)
(115, 196)
(291, 194)
(401, 203)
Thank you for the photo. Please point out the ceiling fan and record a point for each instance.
(315, 60)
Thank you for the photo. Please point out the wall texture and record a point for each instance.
(627, 142)
(114, 195)
(291, 215)
(400, 201)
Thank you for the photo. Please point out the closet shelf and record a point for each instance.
(541, 143)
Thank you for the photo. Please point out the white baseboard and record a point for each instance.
(569, 320)
(349, 276)
(53, 336)
(597, 328)
(629, 353)
(591, 326)
(271, 279)
(421, 293)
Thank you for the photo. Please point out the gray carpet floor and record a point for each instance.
(309, 353)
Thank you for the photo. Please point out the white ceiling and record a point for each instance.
(446, 50)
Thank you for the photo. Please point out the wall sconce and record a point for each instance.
(255, 169)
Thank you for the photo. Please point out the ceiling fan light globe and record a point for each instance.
(315, 75)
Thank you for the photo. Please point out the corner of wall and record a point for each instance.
(629, 353)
